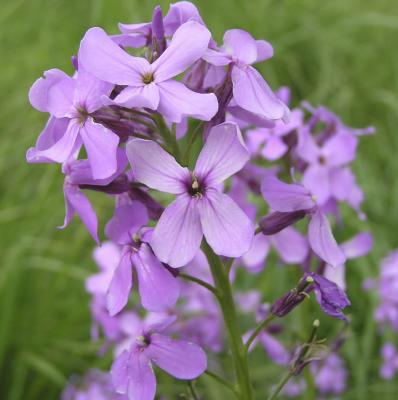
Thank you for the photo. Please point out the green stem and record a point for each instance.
(222, 381)
(192, 140)
(228, 310)
(192, 390)
(168, 136)
(258, 330)
(280, 386)
(200, 282)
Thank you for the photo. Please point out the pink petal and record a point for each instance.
(177, 101)
(286, 197)
(179, 13)
(340, 149)
(358, 246)
(252, 93)
(223, 154)
(156, 168)
(274, 349)
(182, 53)
(53, 93)
(216, 58)
(291, 245)
(226, 227)
(183, 360)
(307, 149)
(53, 131)
(322, 240)
(317, 179)
(136, 97)
(159, 289)
(121, 284)
(254, 259)
(100, 56)
(126, 221)
(132, 374)
(89, 91)
(336, 275)
(178, 234)
(241, 46)
(101, 146)
(76, 201)
(274, 148)
(264, 50)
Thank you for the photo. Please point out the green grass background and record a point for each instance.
(341, 53)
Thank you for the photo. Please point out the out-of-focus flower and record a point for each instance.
(132, 372)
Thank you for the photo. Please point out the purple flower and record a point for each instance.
(143, 34)
(291, 246)
(330, 297)
(96, 385)
(330, 375)
(200, 208)
(151, 85)
(72, 103)
(250, 91)
(268, 142)
(157, 287)
(132, 372)
(79, 173)
(390, 361)
(291, 199)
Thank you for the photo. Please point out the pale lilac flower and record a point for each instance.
(151, 85)
(291, 246)
(95, 385)
(157, 287)
(387, 311)
(250, 91)
(269, 142)
(79, 173)
(200, 320)
(72, 103)
(292, 202)
(200, 208)
(330, 375)
(132, 372)
(107, 258)
(390, 361)
(322, 175)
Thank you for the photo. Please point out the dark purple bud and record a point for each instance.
(293, 298)
(158, 39)
(277, 221)
(117, 186)
(224, 95)
(155, 210)
(195, 76)
(330, 297)
(74, 62)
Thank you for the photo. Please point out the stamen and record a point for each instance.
(148, 78)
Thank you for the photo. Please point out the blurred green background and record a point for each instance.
(340, 53)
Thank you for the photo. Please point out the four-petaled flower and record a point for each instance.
(200, 207)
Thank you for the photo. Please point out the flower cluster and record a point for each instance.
(128, 123)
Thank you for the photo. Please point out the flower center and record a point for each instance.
(143, 341)
(82, 115)
(322, 160)
(195, 189)
(148, 78)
